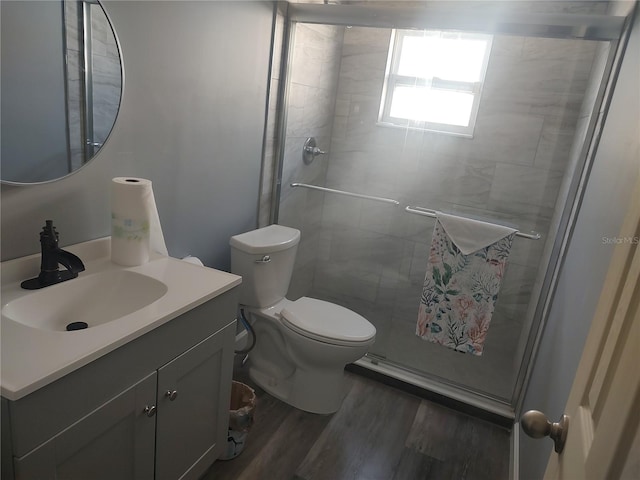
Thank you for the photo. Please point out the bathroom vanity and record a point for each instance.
(142, 395)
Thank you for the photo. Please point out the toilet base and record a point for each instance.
(319, 392)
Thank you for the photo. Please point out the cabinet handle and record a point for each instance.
(171, 394)
(150, 411)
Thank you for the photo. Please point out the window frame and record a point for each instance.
(392, 78)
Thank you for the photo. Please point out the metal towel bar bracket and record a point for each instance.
(427, 212)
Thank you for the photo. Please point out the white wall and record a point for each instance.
(615, 170)
(191, 120)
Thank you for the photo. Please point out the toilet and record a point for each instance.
(302, 346)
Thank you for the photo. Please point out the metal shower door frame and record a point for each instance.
(561, 26)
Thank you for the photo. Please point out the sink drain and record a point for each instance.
(77, 326)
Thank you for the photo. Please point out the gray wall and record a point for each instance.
(191, 120)
(615, 171)
(32, 97)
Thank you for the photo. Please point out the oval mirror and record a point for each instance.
(61, 84)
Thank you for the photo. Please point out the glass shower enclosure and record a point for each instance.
(474, 112)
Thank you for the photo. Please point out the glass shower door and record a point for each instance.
(509, 161)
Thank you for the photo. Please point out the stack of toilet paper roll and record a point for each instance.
(135, 224)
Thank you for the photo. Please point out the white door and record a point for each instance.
(603, 440)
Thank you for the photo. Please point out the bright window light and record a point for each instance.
(433, 106)
(434, 80)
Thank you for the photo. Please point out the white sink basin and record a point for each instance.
(118, 303)
(95, 299)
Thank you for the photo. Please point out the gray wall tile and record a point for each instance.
(374, 255)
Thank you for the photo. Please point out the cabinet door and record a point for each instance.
(193, 407)
(114, 441)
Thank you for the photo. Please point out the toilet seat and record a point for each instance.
(327, 322)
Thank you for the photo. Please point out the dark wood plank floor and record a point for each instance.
(379, 433)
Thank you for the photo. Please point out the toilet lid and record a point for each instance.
(326, 321)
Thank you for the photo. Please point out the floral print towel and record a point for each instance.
(460, 292)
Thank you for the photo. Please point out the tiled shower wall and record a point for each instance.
(106, 76)
(75, 89)
(269, 159)
(371, 257)
(312, 92)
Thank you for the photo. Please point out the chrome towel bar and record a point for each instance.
(348, 194)
(427, 212)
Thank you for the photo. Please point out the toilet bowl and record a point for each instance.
(301, 346)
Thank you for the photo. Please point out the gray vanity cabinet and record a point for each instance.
(192, 423)
(154, 408)
(114, 441)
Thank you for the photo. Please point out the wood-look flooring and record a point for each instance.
(379, 433)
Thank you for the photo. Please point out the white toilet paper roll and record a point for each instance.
(135, 224)
(193, 260)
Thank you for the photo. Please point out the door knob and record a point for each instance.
(537, 425)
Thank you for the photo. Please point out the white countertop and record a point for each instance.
(33, 357)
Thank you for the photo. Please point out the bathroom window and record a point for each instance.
(434, 80)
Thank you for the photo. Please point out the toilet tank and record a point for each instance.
(264, 258)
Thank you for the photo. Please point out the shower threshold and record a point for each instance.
(393, 374)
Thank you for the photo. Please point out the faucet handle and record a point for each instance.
(52, 256)
(49, 234)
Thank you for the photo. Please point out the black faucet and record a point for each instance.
(52, 256)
